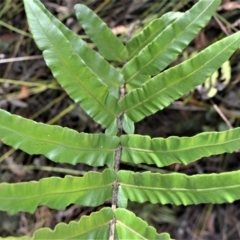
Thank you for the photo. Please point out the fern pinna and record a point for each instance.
(117, 99)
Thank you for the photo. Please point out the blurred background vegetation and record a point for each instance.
(27, 88)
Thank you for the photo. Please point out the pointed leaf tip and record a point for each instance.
(163, 89)
(166, 46)
(71, 71)
(108, 44)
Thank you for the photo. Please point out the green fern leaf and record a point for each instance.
(169, 43)
(168, 86)
(94, 61)
(163, 152)
(176, 188)
(108, 44)
(75, 77)
(57, 193)
(145, 37)
(57, 143)
(128, 226)
(95, 226)
(150, 32)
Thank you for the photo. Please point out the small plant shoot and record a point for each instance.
(117, 99)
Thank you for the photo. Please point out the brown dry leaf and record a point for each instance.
(201, 40)
(120, 30)
(210, 225)
(8, 37)
(23, 92)
(44, 217)
(14, 168)
(229, 6)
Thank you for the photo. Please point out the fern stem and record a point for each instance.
(118, 153)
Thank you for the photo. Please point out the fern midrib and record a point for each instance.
(78, 40)
(131, 230)
(28, 138)
(143, 43)
(166, 47)
(176, 82)
(69, 69)
(102, 25)
(175, 189)
(56, 193)
(180, 150)
(152, 36)
(86, 232)
(113, 84)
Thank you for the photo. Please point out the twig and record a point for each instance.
(18, 59)
(118, 154)
(218, 110)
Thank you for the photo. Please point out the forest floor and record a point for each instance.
(27, 88)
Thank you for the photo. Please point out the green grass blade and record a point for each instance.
(107, 43)
(162, 90)
(128, 226)
(157, 55)
(95, 226)
(163, 152)
(93, 189)
(177, 189)
(71, 72)
(57, 143)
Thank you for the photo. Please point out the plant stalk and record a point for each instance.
(118, 153)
